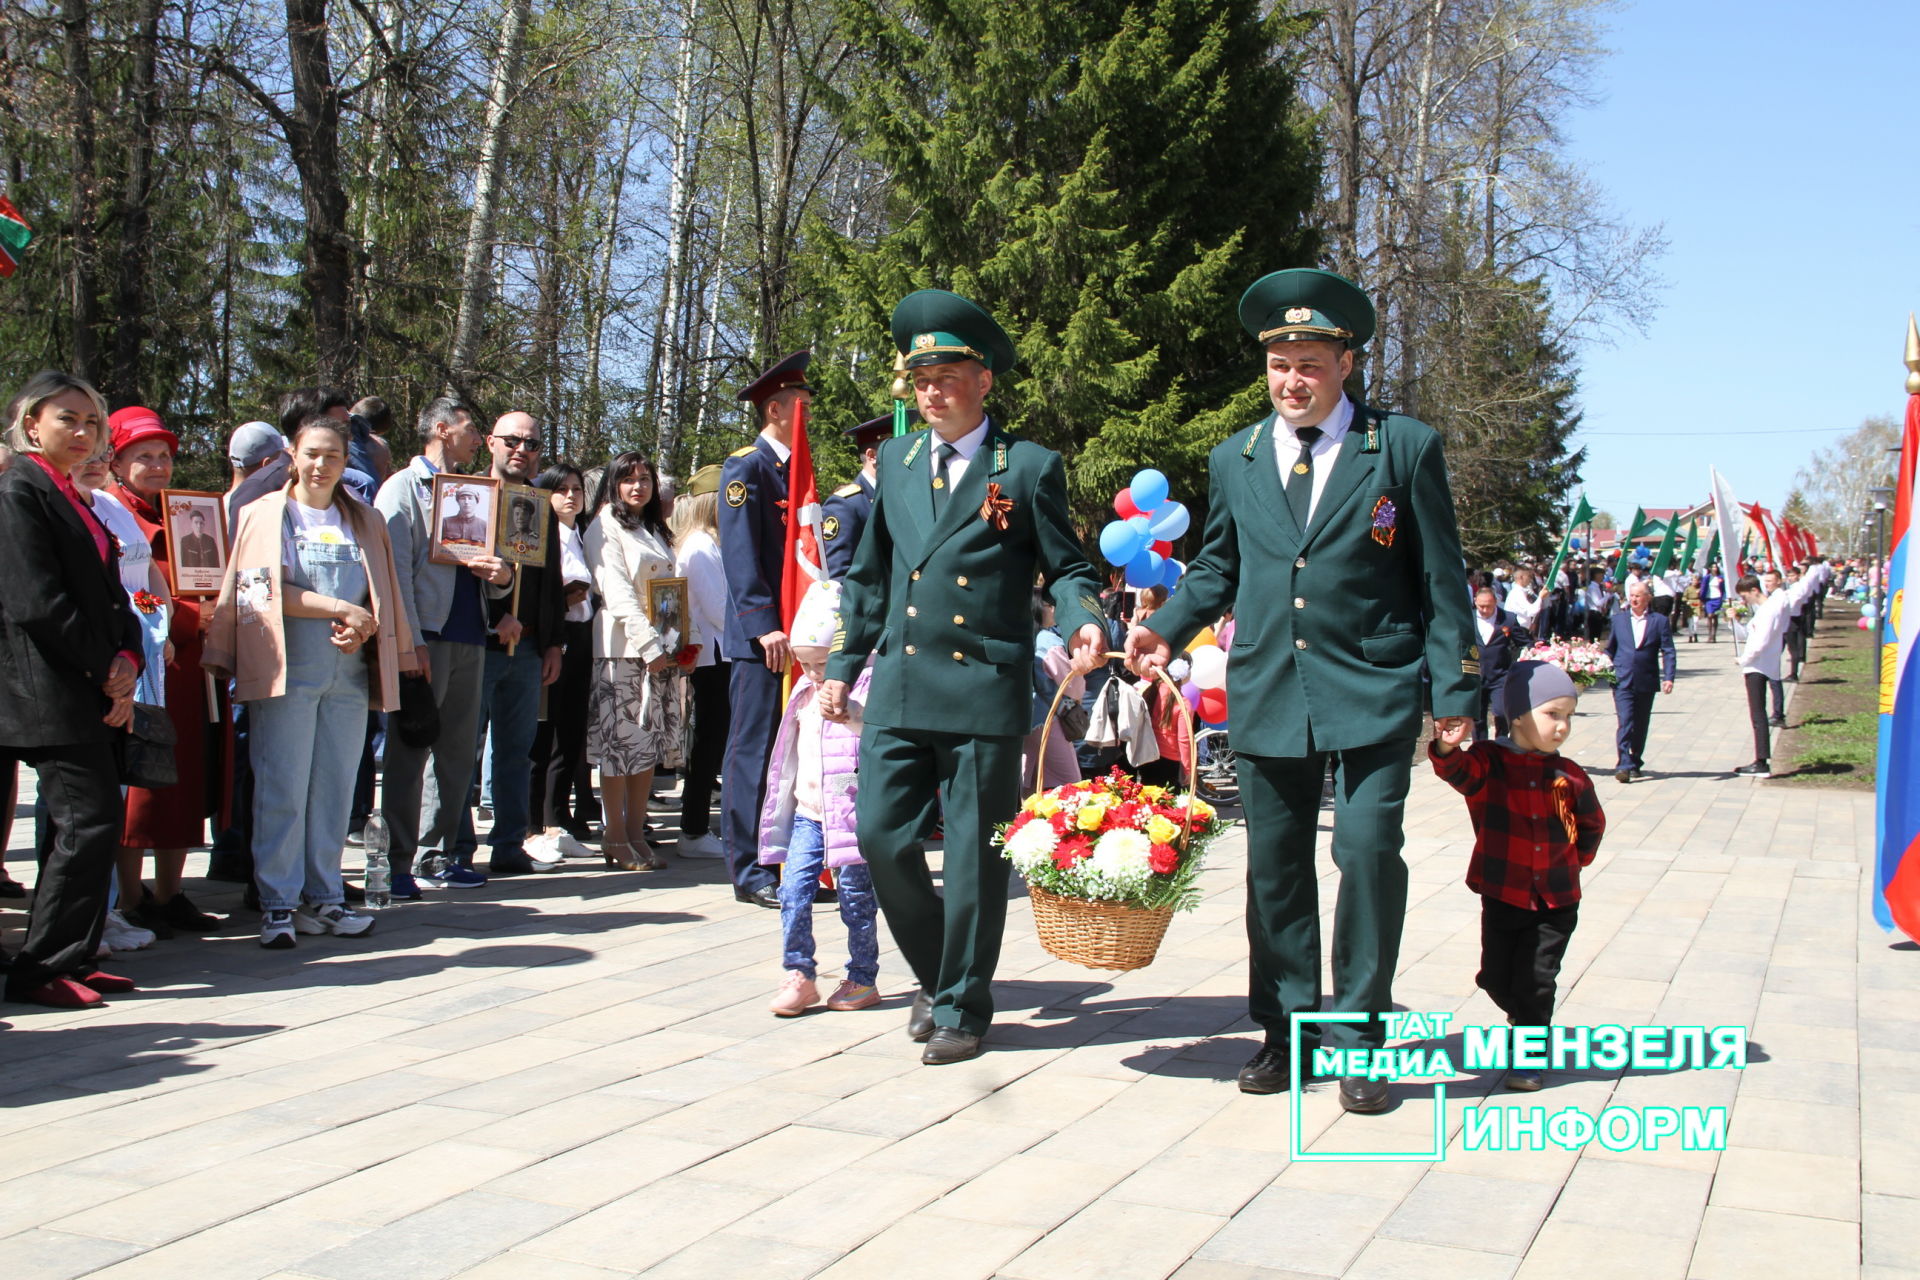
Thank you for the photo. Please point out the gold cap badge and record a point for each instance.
(1299, 315)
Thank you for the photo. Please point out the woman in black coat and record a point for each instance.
(68, 646)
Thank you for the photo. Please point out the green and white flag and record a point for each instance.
(15, 236)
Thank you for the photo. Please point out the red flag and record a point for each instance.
(804, 566)
(1760, 517)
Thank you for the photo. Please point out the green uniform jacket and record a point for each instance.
(1332, 626)
(947, 605)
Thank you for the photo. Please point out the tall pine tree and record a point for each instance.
(1106, 179)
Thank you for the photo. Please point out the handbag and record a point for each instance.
(146, 752)
(418, 720)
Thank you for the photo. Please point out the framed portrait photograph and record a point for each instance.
(667, 611)
(466, 513)
(196, 527)
(523, 525)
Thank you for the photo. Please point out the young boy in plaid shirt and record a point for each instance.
(1536, 822)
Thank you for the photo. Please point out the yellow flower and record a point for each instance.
(1153, 795)
(1162, 830)
(1046, 806)
(1202, 811)
(1091, 816)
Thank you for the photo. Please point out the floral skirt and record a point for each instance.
(635, 720)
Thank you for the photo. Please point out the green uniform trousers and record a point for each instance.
(1281, 799)
(951, 943)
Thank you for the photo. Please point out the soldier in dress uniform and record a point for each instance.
(753, 514)
(844, 513)
(941, 597)
(1331, 534)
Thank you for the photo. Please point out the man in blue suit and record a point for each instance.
(1502, 640)
(1636, 636)
(753, 531)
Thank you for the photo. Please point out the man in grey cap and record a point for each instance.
(252, 446)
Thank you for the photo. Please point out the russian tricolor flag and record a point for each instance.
(1896, 898)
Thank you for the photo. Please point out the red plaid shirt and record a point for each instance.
(1536, 822)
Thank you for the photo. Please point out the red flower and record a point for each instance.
(1058, 821)
(147, 602)
(1163, 859)
(1124, 814)
(1071, 850)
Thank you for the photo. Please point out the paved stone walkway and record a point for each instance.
(576, 1077)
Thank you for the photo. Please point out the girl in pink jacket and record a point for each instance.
(807, 822)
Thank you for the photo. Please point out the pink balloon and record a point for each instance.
(1123, 505)
(1866, 624)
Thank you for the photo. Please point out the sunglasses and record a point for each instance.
(525, 444)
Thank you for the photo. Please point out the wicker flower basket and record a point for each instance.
(1099, 935)
(1102, 935)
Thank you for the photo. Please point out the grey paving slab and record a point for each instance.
(576, 1078)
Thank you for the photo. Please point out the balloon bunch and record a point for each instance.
(1206, 686)
(1141, 540)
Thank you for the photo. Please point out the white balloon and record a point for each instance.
(1209, 666)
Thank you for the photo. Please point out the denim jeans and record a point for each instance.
(800, 881)
(510, 708)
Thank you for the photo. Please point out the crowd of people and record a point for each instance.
(369, 665)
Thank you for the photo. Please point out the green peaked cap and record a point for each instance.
(932, 326)
(1302, 304)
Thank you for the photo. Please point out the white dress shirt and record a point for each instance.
(1768, 626)
(1485, 627)
(1524, 610)
(964, 449)
(1326, 450)
(698, 561)
(1639, 623)
(573, 568)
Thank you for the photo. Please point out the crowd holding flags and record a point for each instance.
(1896, 884)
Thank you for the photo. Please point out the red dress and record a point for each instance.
(173, 817)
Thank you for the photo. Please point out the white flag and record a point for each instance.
(1732, 523)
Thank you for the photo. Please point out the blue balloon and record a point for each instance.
(1149, 489)
(1170, 577)
(1120, 542)
(1169, 522)
(1578, 544)
(1145, 570)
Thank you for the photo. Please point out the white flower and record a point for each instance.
(1121, 854)
(1032, 845)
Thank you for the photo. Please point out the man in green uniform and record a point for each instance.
(1331, 535)
(940, 595)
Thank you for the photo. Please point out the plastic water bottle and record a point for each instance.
(373, 839)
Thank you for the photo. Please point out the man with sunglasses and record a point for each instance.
(523, 654)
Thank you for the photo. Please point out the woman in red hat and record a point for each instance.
(167, 820)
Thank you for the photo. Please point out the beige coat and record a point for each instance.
(253, 650)
(624, 562)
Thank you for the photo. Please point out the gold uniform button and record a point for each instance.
(1298, 603)
(913, 611)
(915, 575)
(959, 656)
(961, 580)
(959, 621)
(1301, 563)
(910, 651)
(1298, 644)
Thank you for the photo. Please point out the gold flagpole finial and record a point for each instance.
(901, 391)
(1913, 356)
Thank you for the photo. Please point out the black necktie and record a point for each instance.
(942, 486)
(1300, 476)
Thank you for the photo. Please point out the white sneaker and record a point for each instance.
(544, 847)
(331, 918)
(122, 935)
(567, 845)
(276, 930)
(701, 846)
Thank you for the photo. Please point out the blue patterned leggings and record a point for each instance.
(800, 881)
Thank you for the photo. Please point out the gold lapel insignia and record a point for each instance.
(1373, 436)
(1253, 439)
(914, 452)
(999, 456)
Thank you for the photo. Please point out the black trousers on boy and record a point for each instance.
(1520, 954)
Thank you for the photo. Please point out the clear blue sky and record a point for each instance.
(1780, 145)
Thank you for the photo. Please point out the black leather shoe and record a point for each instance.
(1357, 1093)
(1267, 1071)
(765, 896)
(949, 1044)
(920, 1018)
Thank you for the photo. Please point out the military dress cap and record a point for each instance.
(933, 326)
(788, 375)
(705, 480)
(1305, 305)
(873, 430)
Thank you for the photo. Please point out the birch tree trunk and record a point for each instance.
(668, 330)
(130, 302)
(476, 273)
